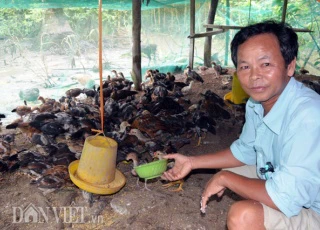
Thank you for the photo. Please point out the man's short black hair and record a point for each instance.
(288, 39)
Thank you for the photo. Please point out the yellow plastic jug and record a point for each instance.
(237, 94)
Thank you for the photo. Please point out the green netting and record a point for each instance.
(53, 45)
(110, 4)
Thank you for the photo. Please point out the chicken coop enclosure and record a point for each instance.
(53, 45)
(54, 106)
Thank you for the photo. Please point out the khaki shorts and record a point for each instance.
(275, 220)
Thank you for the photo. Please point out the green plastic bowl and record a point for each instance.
(151, 170)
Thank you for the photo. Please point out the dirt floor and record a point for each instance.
(132, 207)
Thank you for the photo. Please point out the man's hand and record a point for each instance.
(182, 167)
(214, 186)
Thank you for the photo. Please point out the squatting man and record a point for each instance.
(275, 163)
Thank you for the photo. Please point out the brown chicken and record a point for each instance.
(23, 110)
(149, 124)
(74, 92)
(48, 105)
(159, 155)
(218, 68)
(24, 127)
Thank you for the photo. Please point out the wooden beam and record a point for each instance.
(206, 34)
(240, 27)
(192, 31)
(222, 27)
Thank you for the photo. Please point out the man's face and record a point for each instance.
(261, 69)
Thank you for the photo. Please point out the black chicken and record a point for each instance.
(193, 75)
(52, 128)
(312, 85)
(203, 123)
(213, 104)
(122, 94)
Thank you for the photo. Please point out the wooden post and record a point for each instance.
(284, 11)
(208, 41)
(136, 44)
(227, 40)
(192, 32)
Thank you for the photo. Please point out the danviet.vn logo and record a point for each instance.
(70, 214)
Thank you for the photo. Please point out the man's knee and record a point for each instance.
(246, 214)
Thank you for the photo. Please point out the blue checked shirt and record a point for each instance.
(288, 137)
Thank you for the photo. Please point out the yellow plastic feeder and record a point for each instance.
(96, 171)
(237, 94)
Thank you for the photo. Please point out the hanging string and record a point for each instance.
(100, 70)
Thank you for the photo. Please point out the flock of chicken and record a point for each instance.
(160, 118)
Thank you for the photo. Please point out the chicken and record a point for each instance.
(159, 92)
(148, 80)
(41, 139)
(134, 158)
(170, 77)
(193, 75)
(74, 92)
(52, 178)
(24, 127)
(179, 85)
(122, 94)
(51, 128)
(118, 77)
(174, 144)
(48, 105)
(213, 104)
(1, 116)
(148, 123)
(48, 183)
(302, 70)
(88, 197)
(23, 110)
(139, 135)
(3, 147)
(219, 70)
(202, 69)
(6, 143)
(159, 155)
(312, 85)
(202, 125)
(46, 100)
(185, 90)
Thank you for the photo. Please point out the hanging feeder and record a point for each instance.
(96, 171)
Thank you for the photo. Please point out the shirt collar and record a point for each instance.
(276, 115)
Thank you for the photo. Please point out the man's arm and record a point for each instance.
(183, 164)
(248, 188)
(220, 159)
